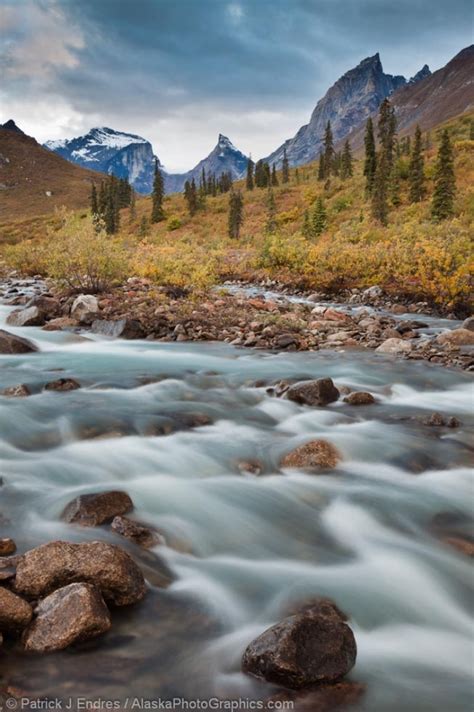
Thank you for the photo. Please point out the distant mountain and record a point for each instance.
(354, 96)
(114, 152)
(10, 125)
(34, 181)
(224, 158)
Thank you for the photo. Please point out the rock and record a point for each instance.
(18, 391)
(314, 454)
(283, 341)
(62, 384)
(62, 322)
(31, 316)
(453, 422)
(464, 546)
(91, 510)
(398, 309)
(394, 346)
(120, 328)
(468, 323)
(15, 613)
(11, 344)
(135, 531)
(8, 566)
(319, 392)
(359, 398)
(7, 547)
(334, 315)
(436, 420)
(456, 337)
(323, 698)
(302, 650)
(48, 305)
(51, 566)
(250, 467)
(372, 292)
(85, 308)
(69, 615)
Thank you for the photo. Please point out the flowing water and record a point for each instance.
(242, 550)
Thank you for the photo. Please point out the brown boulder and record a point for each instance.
(138, 533)
(318, 392)
(18, 391)
(359, 398)
(31, 316)
(456, 337)
(302, 650)
(323, 698)
(51, 566)
(71, 614)
(119, 328)
(464, 546)
(11, 344)
(8, 567)
(15, 613)
(91, 510)
(62, 384)
(315, 454)
(7, 547)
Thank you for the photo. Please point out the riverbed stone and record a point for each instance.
(31, 316)
(91, 510)
(359, 398)
(15, 613)
(51, 566)
(12, 344)
(318, 454)
(468, 323)
(321, 391)
(141, 534)
(62, 384)
(18, 391)
(302, 650)
(461, 544)
(85, 308)
(118, 328)
(7, 547)
(394, 346)
(456, 337)
(71, 614)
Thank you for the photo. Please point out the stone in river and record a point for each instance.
(323, 698)
(306, 649)
(11, 344)
(51, 566)
(32, 316)
(91, 510)
(140, 534)
(457, 337)
(120, 328)
(7, 547)
(15, 613)
(69, 615)
(359, 398)
(318, 392)
(62, 384)
(394, 346)
(468, 323)
(461, 544)
(18, 391)
(85, 308)
(318, 454)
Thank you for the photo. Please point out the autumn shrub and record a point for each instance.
(179, 264)
(282, 251)
(174, 223)
(28, 257)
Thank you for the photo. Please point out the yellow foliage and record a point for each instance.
(175, 264)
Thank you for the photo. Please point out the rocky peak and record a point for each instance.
(425, 71)
(10, 125)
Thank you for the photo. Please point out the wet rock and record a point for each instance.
(62, 322)
(284, 341)
(140, 534)
(302, 650)
(120, 328)
(91, 510)
(359, 398)
(453, 422)
(372, 292)
(468, 323)
(405, 327)
(394, 346)
(69, 615)
(8, 568)
(314, 454)
(15, 613)
(250, 467)
(335, 315)
(456, 337)
(85, 308)
(62, 384)
(32, 316)
(464, 546)
(323, 698)
(11, 344)
(435, 420)
(319, 392)
(51, 566)
(18, 391)
(7, 547)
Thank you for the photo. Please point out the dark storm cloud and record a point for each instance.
(252, 62)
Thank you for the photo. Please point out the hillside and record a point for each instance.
(35, 181)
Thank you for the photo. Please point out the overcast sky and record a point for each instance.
(178, 72)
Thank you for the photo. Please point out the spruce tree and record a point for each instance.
(442, 205)
(93, 201)
(370, 164)
(416, 174)
(471, 130)
(157, 196)
(387, 129)
(346, 161)
(271, 224)
(285, 168)
(394, 185)
(250, 169)
(297, 176)
(274, 180)
(190, 196)
(102, 201)
(235, 213)
(380, 190)
(319, 220)
(321, 166)
(328, 151)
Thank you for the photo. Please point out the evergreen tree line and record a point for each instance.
(106, 203)
(332, 162)
(261, 175)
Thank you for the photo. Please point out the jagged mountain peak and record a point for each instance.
(225, 142)
(425, 71)
(10, 125)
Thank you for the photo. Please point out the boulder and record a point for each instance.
(319, 392)
(48, 305)
(468, 323)
(314, 454)
(85, 308)
(302, 650)
(62, 322)
(11, 344)
(69, 615)
(91, 510)
(359, 398)
(8, 567)
(15, 613)
(335, 315)
(7, 547)
(372, 292)
(31, 316)
(118, 329)
(136, 532)
(464, 546)
(456, 337)
(395, 346)
(62, 384)
(51, 566)
(18, 391)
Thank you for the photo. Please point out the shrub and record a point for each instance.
(174, 223)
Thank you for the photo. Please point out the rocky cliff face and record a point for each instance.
(354, 96)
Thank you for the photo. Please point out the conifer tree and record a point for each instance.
(442, 205)
(346, 161)
(285, 168)
(297, 176)
(328, 151)
(133, 210)
(190, 196)
(271, 224)
(387, 129)
(416, 174)
(250, 170)
(102, 201)
(370, 164)
(471, 130)
(157, 196)
(111, 215)
(380, 190)
(93, 201)
(319, 220)
(235, 213)
(274, 180)
(321, 166)
(394, 185)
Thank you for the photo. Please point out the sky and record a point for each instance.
(179, 72)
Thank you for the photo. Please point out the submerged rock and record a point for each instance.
(457, 337)
(394, 346)
(314, 454)
(18, 391)
(318, 392)
(11, 344)
(359, 398)
(71, 614)
(140, 534)
(15, 613)
(91, 510)
(59, 563)
(62, 384)
(120, 328)
(468, 323)
(323, 698)
(306, 649)
(31, 316)
(461, 544)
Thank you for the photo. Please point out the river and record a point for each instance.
(243, 549)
